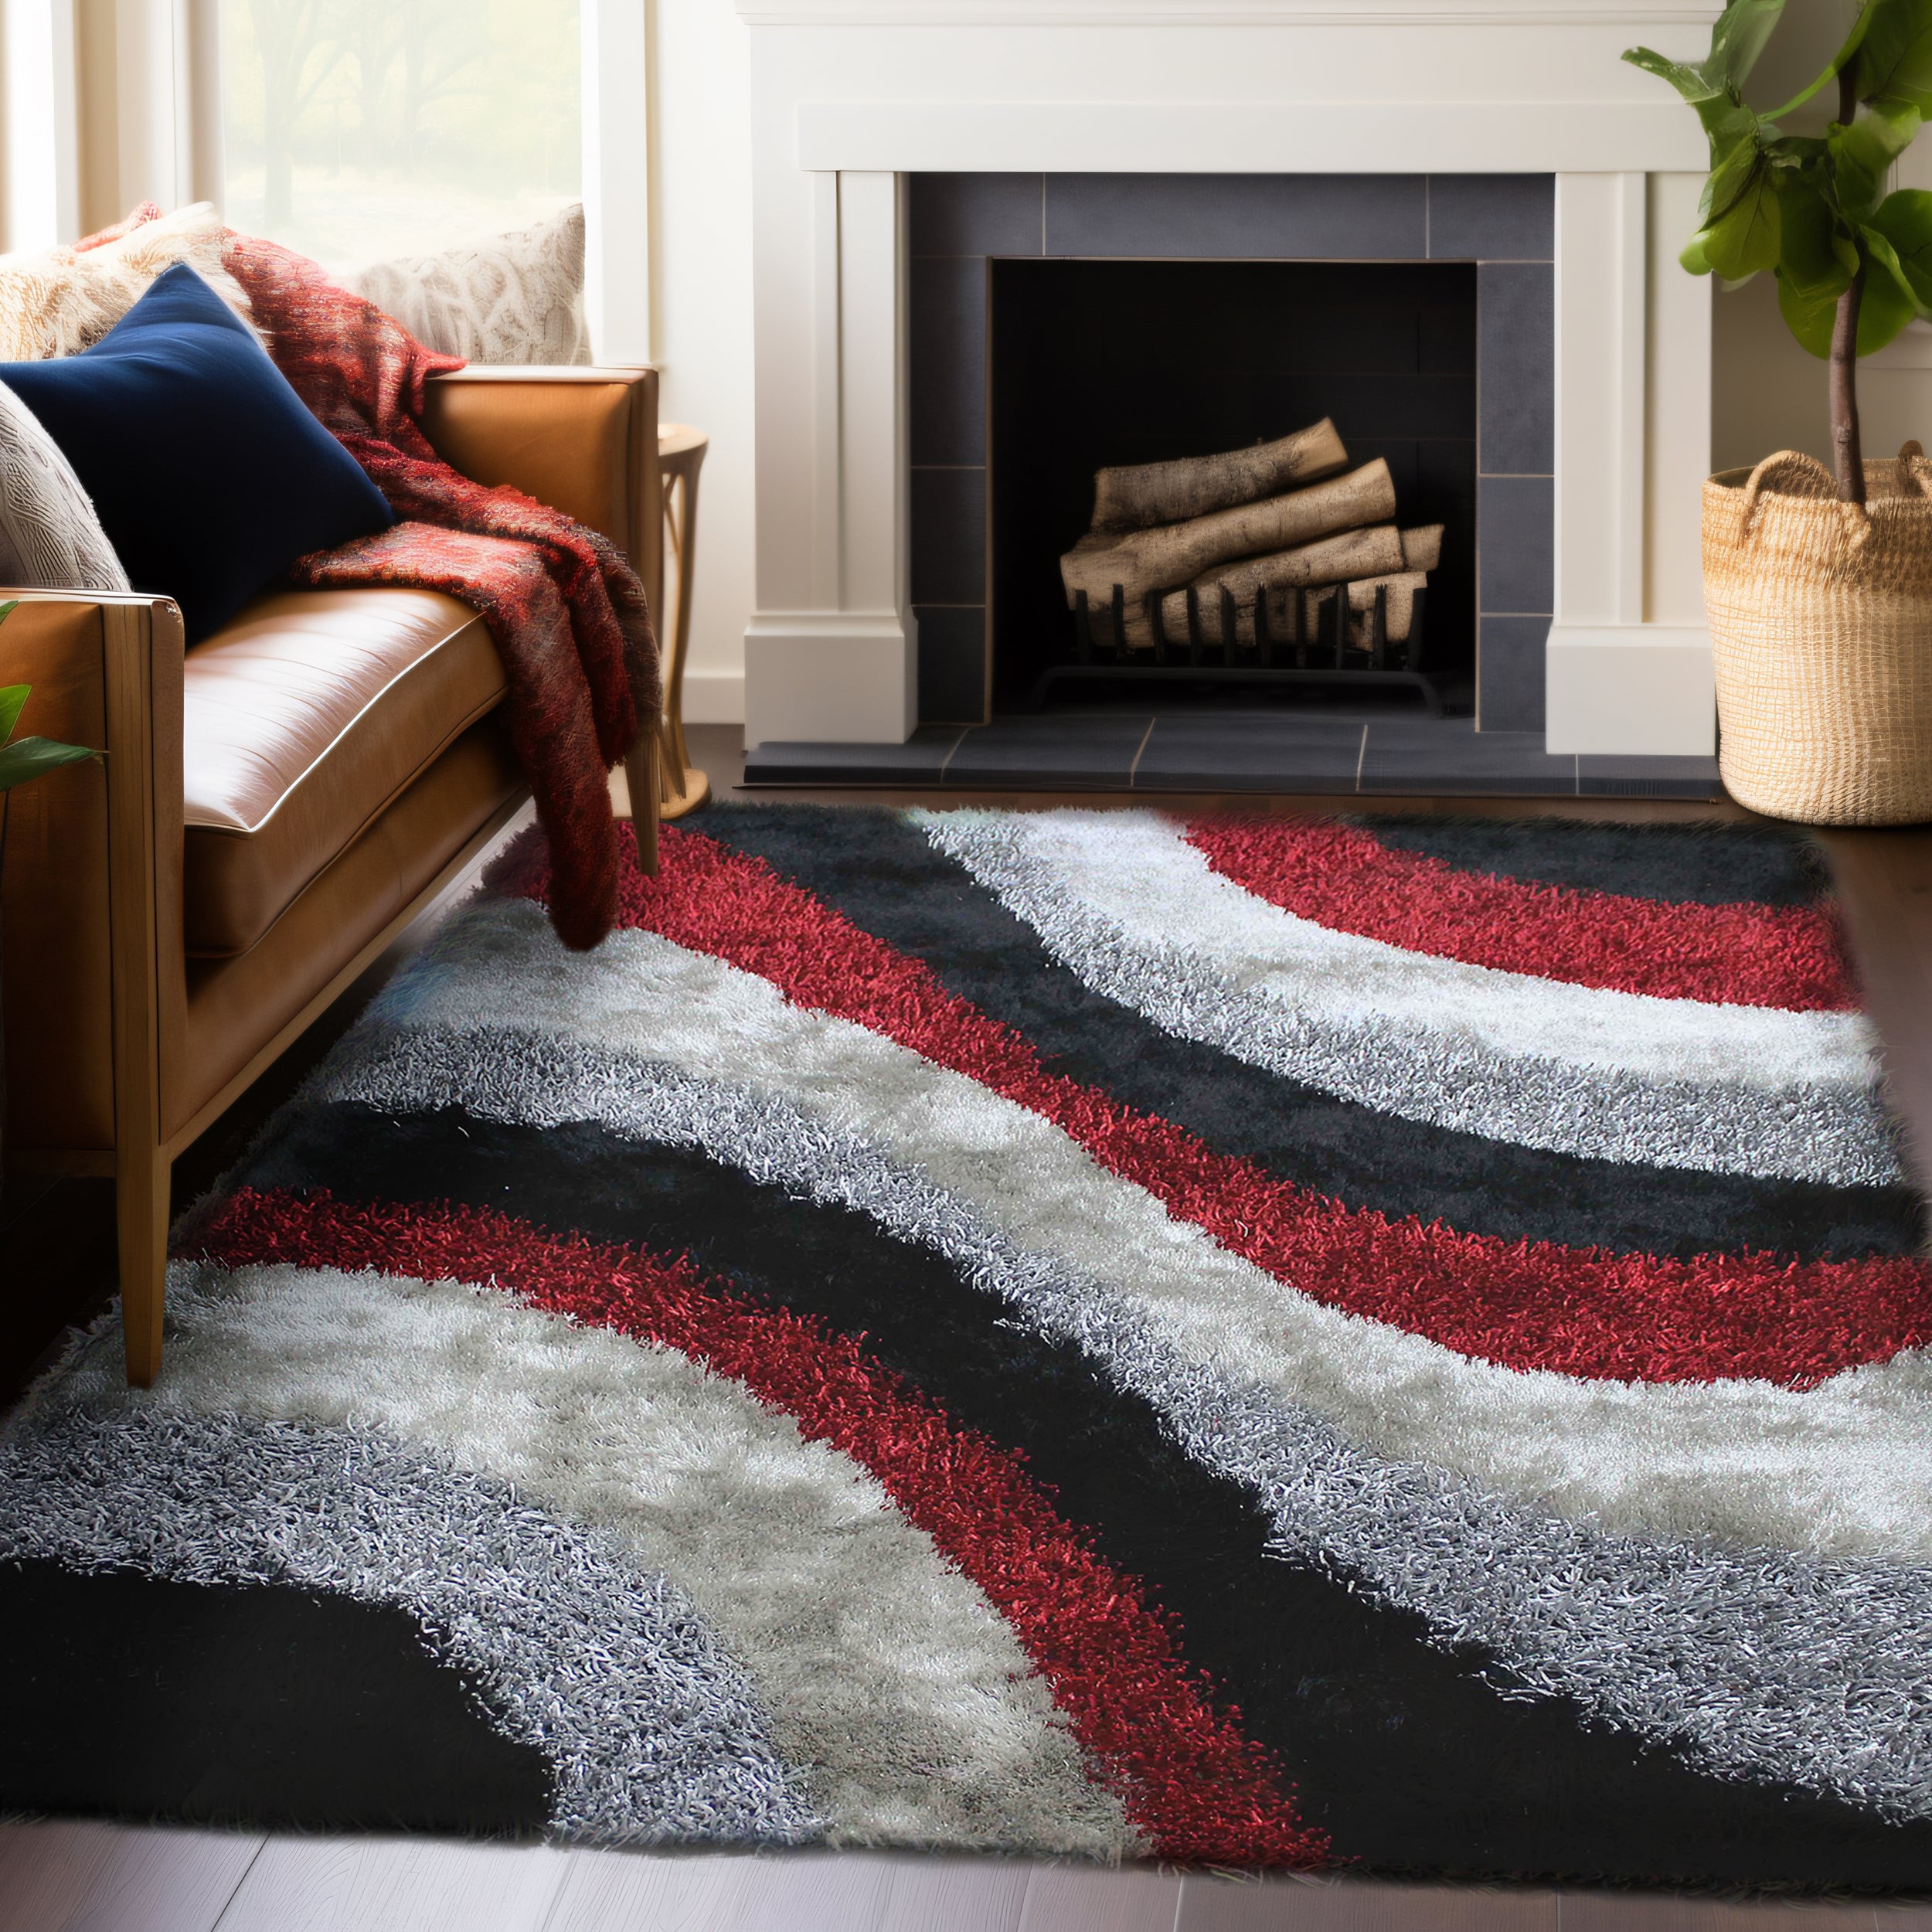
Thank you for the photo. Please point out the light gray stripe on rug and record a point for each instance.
(1124, 903)
(1753, 1663)
(908, 1703)
(652, 1734)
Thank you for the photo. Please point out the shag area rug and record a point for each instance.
(1392, 1343)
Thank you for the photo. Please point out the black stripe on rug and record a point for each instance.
(883, 873)
(1399, 1750)
(1681, 864)
(133, 1696)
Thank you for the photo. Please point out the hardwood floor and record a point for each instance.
(79, 1875)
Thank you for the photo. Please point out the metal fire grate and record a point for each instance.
(1318, 650)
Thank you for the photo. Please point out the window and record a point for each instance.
(356, 130)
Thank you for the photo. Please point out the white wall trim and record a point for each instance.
(614, 42)
(714, 697)
(1264, 137)
(1631, 376)
(168, 105)
(39, 155)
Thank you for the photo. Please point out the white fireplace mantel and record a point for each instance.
(851, 96)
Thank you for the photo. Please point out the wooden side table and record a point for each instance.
(680, 449)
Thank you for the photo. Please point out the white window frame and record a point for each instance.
(166, 120)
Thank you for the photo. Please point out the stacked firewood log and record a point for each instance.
(1288, 522)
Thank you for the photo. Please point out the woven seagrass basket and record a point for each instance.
(1821, 623)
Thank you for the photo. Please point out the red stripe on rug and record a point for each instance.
(1583, 1312)
(1343, 877)
(1198, 1788)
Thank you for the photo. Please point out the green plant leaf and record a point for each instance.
(1884, 308)
(8, 609)
(13, 699)
(1738, 38)
(34, 757)
(1905, 220)
(1895, 60)
(1726, 119)
(1688, 81)
(1814, 253)
(1889, 303)
(1730, 175)
(1808, 315)
(1863, 153)
(1745, 237)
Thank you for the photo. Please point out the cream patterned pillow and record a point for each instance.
(512, 298)
(50, 539)
(64, 300)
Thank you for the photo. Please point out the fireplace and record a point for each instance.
(1030, 370)
(1246, 136)
(1106, 362)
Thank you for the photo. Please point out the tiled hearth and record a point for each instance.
(1261, 750)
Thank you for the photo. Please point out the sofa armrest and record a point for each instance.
(583, 441)
(92, 882)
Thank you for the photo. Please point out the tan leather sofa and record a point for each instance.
(274, 807)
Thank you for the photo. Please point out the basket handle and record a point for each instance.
(1792, 463)
(1796, 467)
(1913, 467)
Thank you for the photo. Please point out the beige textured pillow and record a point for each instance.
(517, 297)
(50, 539)
(63, 301)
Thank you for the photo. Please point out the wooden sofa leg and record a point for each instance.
(641, 771)
(142, 1188)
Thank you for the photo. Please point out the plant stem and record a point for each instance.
(1847, 457)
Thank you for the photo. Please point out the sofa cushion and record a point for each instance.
(303, 719)
(517, 297)
(61, 301)
(50, 539)
(209, 474)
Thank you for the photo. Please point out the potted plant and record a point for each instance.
(21, 760)
(1817, 580)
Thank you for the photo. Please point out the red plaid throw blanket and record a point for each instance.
(567, 612)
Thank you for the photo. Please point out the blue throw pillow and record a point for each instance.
(208, 473)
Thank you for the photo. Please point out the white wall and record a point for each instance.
(701, 315)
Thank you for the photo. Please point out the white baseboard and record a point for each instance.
(1631, 690)
(819, 677)
(714, 697)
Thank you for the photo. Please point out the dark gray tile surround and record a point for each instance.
(1512, 654)
(949, 537)
(1271, 750)
(1219, 217)
(1504, 223)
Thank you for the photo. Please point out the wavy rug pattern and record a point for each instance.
(1389, 1343)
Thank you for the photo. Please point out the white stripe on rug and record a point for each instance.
(1842, 1469)
(1123, 901)
(886, 1674)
